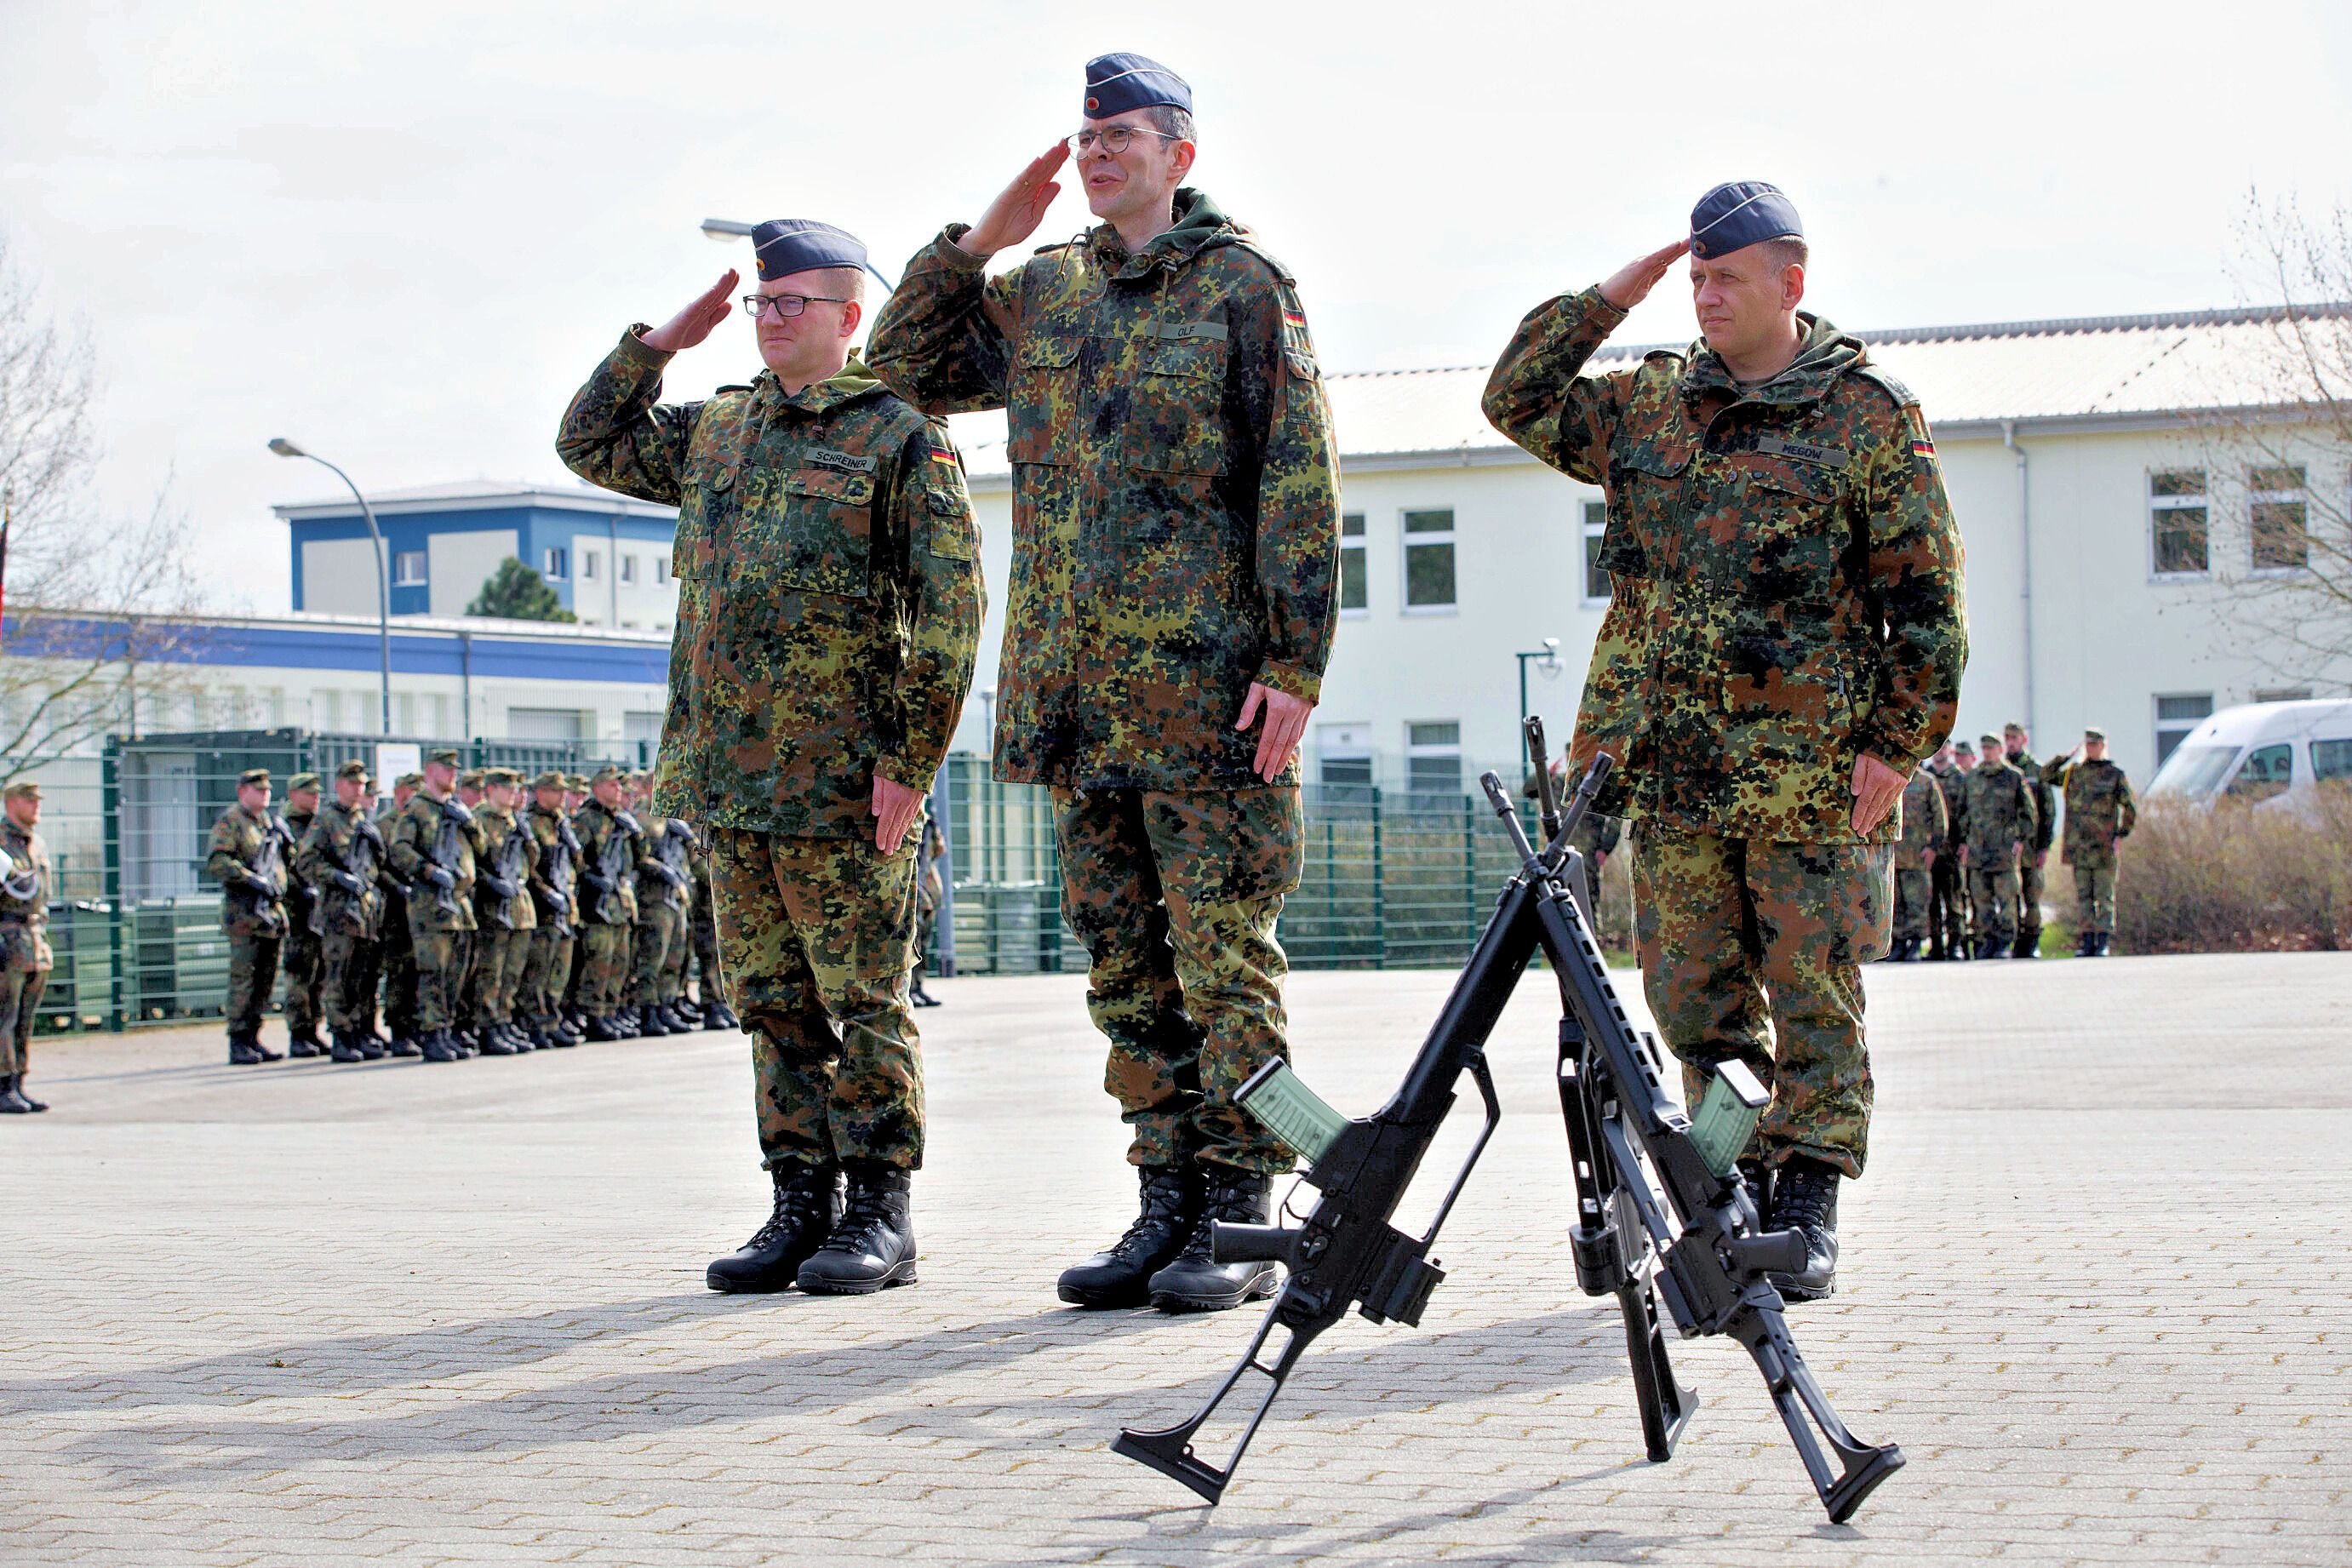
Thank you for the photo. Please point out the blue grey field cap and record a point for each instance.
(1116, 83)
(1743, 213)
(789, 244)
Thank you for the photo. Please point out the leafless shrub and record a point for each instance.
(2237, 880)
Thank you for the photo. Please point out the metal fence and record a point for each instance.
(1392, 879)
(135, 923)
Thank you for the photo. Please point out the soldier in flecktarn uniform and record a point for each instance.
(2002, 822)
(26, 881)
(398, 958)
(505, 914)
(2016, 745)
(1783, 647)
(1926, 827)
(299, 963)
(1175, 555)
(247, 858)
(607, 832)
(430, 848)
(2100, 814)
(341, 861)
(555, 897)
(829, 604)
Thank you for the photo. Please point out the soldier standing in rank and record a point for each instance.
(341, 861)
(1947, 893)
(2001, 823)
(1175, 548)
(710, 980)
(661, 916)
(829, 600)
(577, 794)
(396, 956)
(468, 1023)
(431, 851)
(299, 962)
(2100, 814)
(504, 912)
(1927, 826)
(608, 907)
(26, 879)
(1784, 647)
(554, 891)
(246, 857)
(2015, 743)
(931, 892)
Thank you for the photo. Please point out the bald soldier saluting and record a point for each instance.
(829, 605)
(1783, 647)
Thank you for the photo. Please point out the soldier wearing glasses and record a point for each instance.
(1175, 547)
(829, 603)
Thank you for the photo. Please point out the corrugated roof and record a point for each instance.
(2085, 368)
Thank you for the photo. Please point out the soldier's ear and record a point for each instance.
(851, 314)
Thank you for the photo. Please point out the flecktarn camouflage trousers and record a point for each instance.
(1754, 949)
(1174, 896)
(818, 934)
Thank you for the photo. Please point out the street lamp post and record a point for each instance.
(1549, 656)
(285, 448)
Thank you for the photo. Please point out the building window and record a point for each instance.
(327, 707)
(1596, 525)
(2285, 694)
(2280, 513)
(1429, 560)
(557, 565)
(661, 568)
(629, 568)
(2175, 522)
(1352, 594)
(408, 569)
(1432, 758)
(2176, 717)
(590, 564)
(1344, 756)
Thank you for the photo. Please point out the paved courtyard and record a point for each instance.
(304, 1314)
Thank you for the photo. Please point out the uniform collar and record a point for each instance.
(854, 381)
(1200, 223)
(1825, 355)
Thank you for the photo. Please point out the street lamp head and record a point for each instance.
(1552, 644)
(725, 229)
(285, 448)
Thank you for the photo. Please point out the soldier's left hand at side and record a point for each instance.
(1878, 790)
(1285, 726)
(895, 809)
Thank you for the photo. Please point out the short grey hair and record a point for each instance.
(1173, 122)
(1789, 250)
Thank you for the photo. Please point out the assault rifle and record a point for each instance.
(264, 882)
(354, 877)
(504, 879)
(612, 863)
(556, 872)
(302, 902)
(446, 856)
(1662, 1206)
(677, 841)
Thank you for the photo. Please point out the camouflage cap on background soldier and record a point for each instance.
(301, 782)
(552, 778)
(354, 769)
(408, 781)
(253, 778)
(2093, 732)
(471, 778)
(609, 771)
(445, 755)
(22, 789)
(500, 776)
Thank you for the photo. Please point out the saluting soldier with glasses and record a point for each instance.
(829, 606)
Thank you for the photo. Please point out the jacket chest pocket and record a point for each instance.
(1043, 410)
(813, 531)
(1792, 530)
(1175, 408)
(1645, 487)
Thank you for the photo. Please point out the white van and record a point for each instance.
(2271, 754)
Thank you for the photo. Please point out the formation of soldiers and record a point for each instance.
(1978, 825)
(471, 914)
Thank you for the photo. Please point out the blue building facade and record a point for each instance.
(607, 557)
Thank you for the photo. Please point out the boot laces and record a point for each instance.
(864, 1221)
(797, 1204)
(1234, 1201)
(1163, 1209)
(1802, 1202)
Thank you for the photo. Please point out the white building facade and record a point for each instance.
(2121, 537)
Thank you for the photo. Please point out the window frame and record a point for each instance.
(628, 569)
(2177, 729)
(1408, 540)
(1591, 529)
(2299, 497)
(400, 562)
(2200, 501)
(1430, 751)
(555, 562)
(1359, 546)
(591, 561)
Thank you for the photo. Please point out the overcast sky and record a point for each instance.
(402, 235)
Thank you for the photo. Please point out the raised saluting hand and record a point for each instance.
(1631, 283)
(1016, 214)
(694, 323)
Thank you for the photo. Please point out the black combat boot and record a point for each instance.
(347, 1047)
(12, 1099)
(2027, 946)
(807, 1208)
(1804, 1199)
(1121, 1276)
(604, 1029)
(687, 1008)
(491, 1041)
(247, 1050)
(718, 1016)
(873, 1246)
(2100, 950)
(403, 1046)
(26, 1095)
(513, 1034)
(1193, 1284)
(441, 1046)
(304, 1042)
